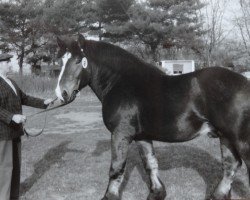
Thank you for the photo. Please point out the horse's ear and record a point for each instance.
(75, 50)
(81, 39)
(62, 47)
(60, 43)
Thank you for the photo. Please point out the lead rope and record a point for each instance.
(29, 134)
(46, 112)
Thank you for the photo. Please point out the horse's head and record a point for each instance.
(74, 73)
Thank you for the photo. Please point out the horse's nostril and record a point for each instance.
(64, 94)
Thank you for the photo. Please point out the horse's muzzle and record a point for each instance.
(68, 99)
(73, 96)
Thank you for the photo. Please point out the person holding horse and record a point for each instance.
(11, 118)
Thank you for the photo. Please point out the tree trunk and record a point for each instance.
(21, 59)
(154, 53)
(208, 59)
(100, 30)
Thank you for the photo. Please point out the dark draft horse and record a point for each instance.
(141, 103)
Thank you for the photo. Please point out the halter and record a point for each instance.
(29, 134)
(73, 96)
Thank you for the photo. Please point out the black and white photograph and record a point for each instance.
(124, 99)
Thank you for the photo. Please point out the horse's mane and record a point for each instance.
(116, 58)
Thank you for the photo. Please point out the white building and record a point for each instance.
(176, 67)
(246, 74)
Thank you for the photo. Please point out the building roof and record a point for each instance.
(177, 61)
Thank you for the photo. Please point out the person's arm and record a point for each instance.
(32, 101)
(5, 116)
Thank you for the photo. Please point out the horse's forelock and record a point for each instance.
(70, 45)
(75, 50)
(61, 52)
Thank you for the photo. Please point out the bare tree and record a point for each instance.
(243, 24)
(214, 15)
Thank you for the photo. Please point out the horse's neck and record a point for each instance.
(102, 80)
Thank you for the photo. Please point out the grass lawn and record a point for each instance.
(70, 161)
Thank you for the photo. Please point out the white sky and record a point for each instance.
(230, 10)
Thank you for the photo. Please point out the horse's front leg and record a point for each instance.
(157, 189)
(119, 148)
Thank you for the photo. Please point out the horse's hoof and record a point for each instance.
(221, 196)
(159, 195)
(110, 197)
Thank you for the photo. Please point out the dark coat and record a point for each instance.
(11, 104)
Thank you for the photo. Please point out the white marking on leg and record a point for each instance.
(205, 129)
(154, 174)
(115, 185)
(224, 186)
(230, 166)
(58, 89)
(155, 180)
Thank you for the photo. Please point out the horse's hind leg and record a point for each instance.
(244, 149)
(119, 147)
(230, 162)
(157, 189)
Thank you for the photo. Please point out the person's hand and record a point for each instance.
(19, 118)
(48, 101)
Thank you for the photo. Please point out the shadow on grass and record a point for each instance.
(101, 147)
(53, 156)
(177, 156)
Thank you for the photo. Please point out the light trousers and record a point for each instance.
(6, 168)
(10, 162)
